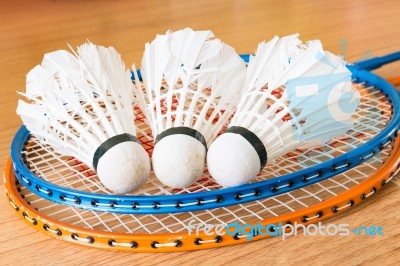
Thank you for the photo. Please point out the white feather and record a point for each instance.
(274, 65)
(78, 101)
(188, 62)
(190, 80)
(281, 119)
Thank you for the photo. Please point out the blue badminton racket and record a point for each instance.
(65, 180)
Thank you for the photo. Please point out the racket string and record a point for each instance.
(65, 198)
(365, 196)
(68, 172)
(56, 231)
(270, 209)
(200, 241)
(346, 165)
(305, 219)
(46, 191)
(13, 204)
(131, 244)
(178, 243)
(156, 244)
(27, 181)
(392, 176)
(31, 220)
(89, 239)
(336, 209)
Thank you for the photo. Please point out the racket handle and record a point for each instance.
(377, 62)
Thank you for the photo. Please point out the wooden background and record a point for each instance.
(28, 29)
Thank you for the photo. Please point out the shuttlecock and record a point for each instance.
(297, 96)
(81, 105)
(192, 86)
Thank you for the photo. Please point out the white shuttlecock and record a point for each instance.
(192, 86)
(81, 105)
(297, 95)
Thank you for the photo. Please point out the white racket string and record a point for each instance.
(241, 213)
(373, 114)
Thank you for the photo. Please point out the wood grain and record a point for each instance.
(28, 29)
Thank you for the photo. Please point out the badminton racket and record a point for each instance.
(170, 232)
(67, 181)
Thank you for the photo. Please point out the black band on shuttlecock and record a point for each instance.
(184, 131)
(253, 140)
(108, 144)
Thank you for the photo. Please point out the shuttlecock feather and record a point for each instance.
(297, 95)
(192, 86)
(81, 105)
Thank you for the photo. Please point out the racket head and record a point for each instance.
(35, 211)
(206, 194)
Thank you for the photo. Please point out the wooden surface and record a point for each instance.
(28, 29)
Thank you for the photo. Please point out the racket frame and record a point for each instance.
(171, 242)
(130, 204)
